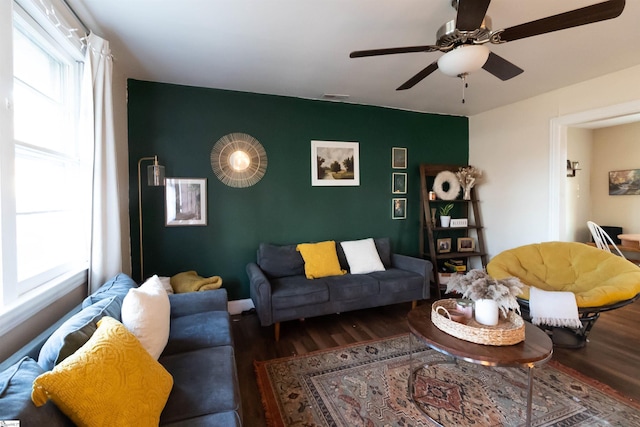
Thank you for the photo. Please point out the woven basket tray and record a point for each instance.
(508, 331)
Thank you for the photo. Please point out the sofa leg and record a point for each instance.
(277, 331)
(414, 304)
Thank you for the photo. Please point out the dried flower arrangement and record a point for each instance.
(467, 176)
(477, 284)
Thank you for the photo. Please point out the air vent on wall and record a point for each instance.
(334, 96)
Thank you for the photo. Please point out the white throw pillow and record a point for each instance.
(362, 256)
(146, 312)
(166, 282)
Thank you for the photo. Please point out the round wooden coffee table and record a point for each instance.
(535, 350)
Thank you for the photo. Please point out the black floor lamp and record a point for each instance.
(155, 178)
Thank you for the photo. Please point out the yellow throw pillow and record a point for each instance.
(320, 259)
(110, 381)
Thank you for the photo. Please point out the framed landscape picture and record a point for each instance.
(624, 183)
(335, 163)
(185, 201)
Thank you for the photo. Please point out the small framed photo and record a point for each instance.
(399, 209)
(185, 201)
(399, 183)
(466, 244)
(398, 158)
(444, 245)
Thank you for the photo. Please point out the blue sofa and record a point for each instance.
(199, 356)
(280, 290)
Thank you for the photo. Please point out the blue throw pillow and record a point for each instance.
(280, 261)
(118, 286)
(76, 331)
(15, 397)
(383, 245)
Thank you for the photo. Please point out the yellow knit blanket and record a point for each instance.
(189, 281)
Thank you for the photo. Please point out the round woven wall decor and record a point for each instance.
(450, 178)
(238, 160)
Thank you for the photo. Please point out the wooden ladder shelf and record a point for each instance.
(430, 232)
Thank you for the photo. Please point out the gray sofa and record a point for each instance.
(199, 356)
(280, 290)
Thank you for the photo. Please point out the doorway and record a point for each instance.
(601, 117)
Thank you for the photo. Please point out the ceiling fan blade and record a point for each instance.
(574, 18)
(471, 14)
(393, 50)
(419, 77)
(501, 68)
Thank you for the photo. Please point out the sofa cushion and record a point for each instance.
(119, 285)
(352, 286)
(146, 312)
(111, 380)
(296, 291)
(596, 277)
(196, 331)
(396, 280)
(198, 302)
(205, 382)
(15, 397)
(219, 419)
(362, 256)
(76, 331)
(280, 261)
(320, 259)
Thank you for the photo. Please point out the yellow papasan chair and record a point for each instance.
(600, 281)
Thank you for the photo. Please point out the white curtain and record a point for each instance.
(105, 258)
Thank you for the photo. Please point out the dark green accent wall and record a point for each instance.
(181, 124)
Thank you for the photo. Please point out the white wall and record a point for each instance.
(615, 148)
(578, 188)
(512, 145)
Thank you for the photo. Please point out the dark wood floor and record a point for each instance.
(612, 355)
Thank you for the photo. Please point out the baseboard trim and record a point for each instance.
(239, 305)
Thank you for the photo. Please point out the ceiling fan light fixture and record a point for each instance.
(463, 60)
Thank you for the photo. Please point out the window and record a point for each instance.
(50, 178)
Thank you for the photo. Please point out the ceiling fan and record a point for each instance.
(463, 39)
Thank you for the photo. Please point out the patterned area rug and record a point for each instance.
(366, 385)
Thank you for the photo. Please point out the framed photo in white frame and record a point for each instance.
(398, 158)
(399, 183)
(185, 201)
(335, 163)
(399, 208)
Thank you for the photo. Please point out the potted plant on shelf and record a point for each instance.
(490, 296)
(445, 218)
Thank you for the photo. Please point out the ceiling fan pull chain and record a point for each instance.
(465, 85)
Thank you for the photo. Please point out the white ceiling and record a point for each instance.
(301, 48)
